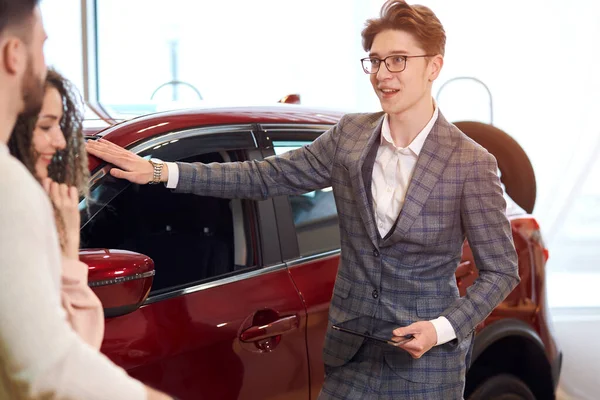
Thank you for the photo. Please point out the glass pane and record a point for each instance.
(314, 213)
(155, 55)
(190, 238)
(574, 247)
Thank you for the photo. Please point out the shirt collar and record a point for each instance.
(417, 144)
(3, 148)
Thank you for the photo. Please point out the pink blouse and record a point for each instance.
(84, 309)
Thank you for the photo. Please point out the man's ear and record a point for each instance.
(13, 55)
(437, 62)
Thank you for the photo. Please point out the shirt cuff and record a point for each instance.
(173, 175)
(445, 331)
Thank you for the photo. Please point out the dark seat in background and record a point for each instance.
(189, 237)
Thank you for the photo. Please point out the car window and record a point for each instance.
(190, 238)
(315, 214)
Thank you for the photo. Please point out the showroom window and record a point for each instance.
(156, 55)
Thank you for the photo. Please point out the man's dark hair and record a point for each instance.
(15, 12)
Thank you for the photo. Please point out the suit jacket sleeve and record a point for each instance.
(490, 237)
(298, 171)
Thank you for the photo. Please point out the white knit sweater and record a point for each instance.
(40, 354)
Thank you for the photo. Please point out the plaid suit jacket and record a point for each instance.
(407, 276)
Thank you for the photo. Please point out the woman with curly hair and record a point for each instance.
(52, 147)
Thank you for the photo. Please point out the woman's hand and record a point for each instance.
(66, 202)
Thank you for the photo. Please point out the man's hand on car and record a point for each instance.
(130, 166)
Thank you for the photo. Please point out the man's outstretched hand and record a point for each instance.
(425, 337)
(130, 166)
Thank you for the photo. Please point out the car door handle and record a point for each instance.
(275, 328)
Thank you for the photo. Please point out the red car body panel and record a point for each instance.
(161, 342)
(315, 281)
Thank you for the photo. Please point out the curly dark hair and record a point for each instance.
(69, 166)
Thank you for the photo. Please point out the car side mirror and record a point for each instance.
(121, 279)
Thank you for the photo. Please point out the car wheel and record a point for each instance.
(502, 387)
(516, 170)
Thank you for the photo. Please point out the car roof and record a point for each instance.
(140, 128)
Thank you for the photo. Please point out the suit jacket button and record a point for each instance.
(375, 294)
(376, 253)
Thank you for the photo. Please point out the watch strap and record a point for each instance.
(157, 172)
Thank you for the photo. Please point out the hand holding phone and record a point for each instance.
(425, 337)
(400, 340)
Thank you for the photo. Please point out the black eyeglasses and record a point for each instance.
(394, 63)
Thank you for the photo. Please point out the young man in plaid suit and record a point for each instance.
(409, 187)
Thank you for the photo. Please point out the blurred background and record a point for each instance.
(529, 67)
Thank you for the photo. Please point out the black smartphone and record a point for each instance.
(372, 328)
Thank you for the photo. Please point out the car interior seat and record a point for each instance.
(189, 237)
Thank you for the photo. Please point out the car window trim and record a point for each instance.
(180, 135)
(258, 271)
(138, 148)
(285, 221)
(300, 261)
(296, 262)
(194, 132)
(299, 128)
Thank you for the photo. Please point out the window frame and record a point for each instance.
(259, 215)
(234, 137)
(268, 134)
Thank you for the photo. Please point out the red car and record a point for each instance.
(225, 299)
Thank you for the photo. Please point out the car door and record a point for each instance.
(310, 241)
(223, 319)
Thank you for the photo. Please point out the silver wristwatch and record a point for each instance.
(158, 166)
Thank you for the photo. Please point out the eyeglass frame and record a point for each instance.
(384, 60)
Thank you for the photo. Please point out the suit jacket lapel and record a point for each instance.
(361, 175)
(431, 163)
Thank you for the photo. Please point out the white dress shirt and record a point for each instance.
(392, 172)
(173, 171)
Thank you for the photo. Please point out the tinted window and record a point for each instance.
(190, 238)
(314, 213)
